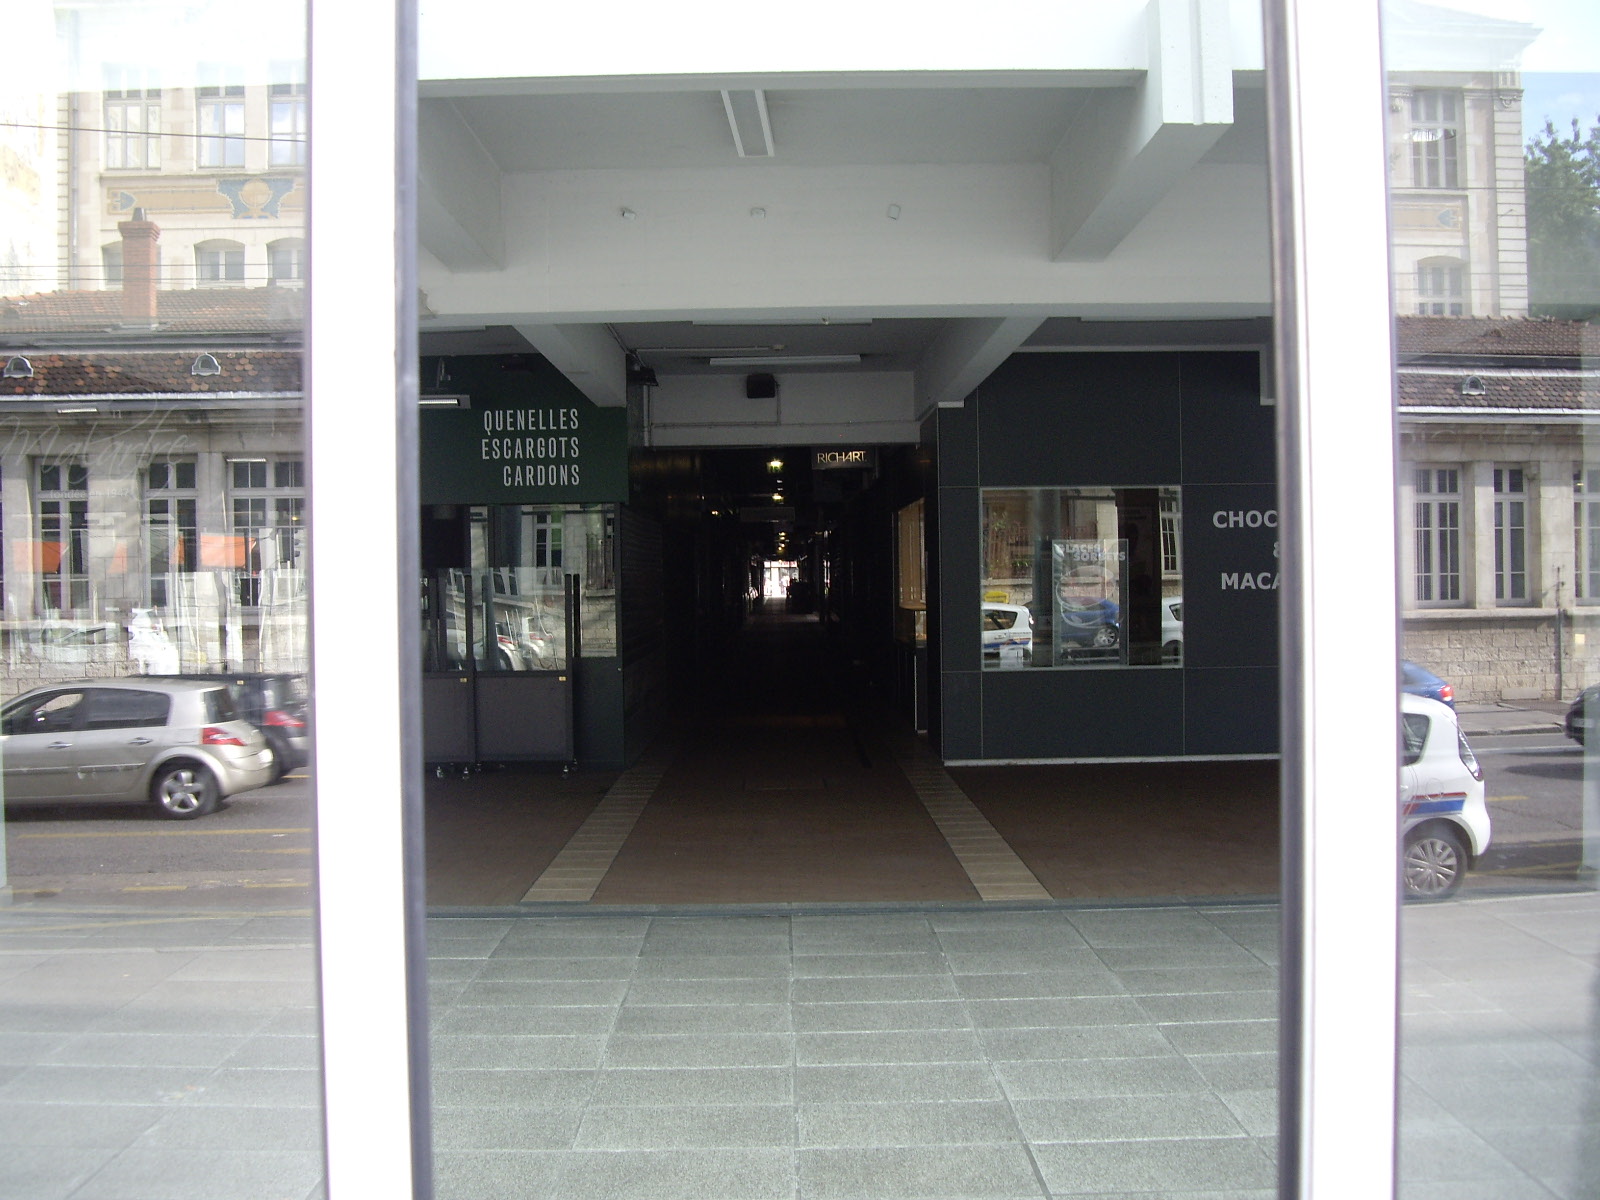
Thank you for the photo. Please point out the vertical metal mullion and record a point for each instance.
(1326, 102)
(361, 417)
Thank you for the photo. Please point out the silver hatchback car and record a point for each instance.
(178, 744)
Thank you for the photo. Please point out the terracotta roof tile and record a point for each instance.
(1514, 337)
(155, 372)
(211, 311)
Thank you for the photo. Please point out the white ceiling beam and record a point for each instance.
(1129, 147)
(459, 219)
(965, 355)
(588, 356)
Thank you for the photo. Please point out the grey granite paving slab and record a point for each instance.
(557, 967)
(129, 1049)
(703, 1018)
(895, 1082)
(695, 1085)
(505, 1128)
(1073, 1168)
(1151, 981)
(1213, 1006)
(1091, 1041)
(87, 1125)
(708, 991)
(489, 1052)
(1056, 1013)
(1223, 1037)
(1042, 985)
(496, 1174)
(203, 1173)
(895, 1046)
(36, 1172)
(49, 1084)
(669, 1127)
(1233, 1072)
(833, 965)
(502, 992)
(525, 1019)
(540, 1089)
(940, 1123)
(1099, 1077)
(876, 988)
(716, 1174)
(982, 1172)
(1127, 1118)
(244, 1127)
(713, 966)
(913, 1014)
(700, 1050)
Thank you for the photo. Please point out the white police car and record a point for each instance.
(1444, 821)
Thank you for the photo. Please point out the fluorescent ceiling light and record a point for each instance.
(452, 401)
(747, 119)
(787, 360)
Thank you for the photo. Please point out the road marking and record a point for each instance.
(276, 850)
(1497, 799)
(159, 887)
(277, 885)
(161, 833)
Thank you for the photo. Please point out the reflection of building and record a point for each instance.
(152, 478)
(1496, 536)
(221, 165)
(1498, 529)
(1458, 213)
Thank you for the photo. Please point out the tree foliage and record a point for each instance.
(1563, 190)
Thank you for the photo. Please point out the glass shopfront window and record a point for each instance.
(160, 1001)
(1499, 828)
(1081, 577)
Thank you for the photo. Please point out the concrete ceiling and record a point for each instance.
(683, 219)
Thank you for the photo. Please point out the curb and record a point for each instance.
(1485, 731)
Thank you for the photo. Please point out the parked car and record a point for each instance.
(1172, 630)
(1583, 714)
(1007, 631)
(277, 705)
(1444, 820)
(1419, 681)
(178, 744)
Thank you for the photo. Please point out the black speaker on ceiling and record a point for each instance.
(760, 387)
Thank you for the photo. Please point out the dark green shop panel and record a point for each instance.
(1079, 420)
(961, 729)
(1232, 710)
(960, 610)
(1083, 713)
(1229, 436)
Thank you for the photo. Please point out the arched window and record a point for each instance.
(286, 260)
(218, 262)
(1442, 287)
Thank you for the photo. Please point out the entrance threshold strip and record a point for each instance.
(575, 873)
(989, 861)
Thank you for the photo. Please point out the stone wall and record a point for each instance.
(1506, 654)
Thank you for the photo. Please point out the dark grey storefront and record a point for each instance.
(1189, 425)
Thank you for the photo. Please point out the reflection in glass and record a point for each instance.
(153, 522)
(1495, 198)
(1081, 577)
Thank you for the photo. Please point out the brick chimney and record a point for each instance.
(141, 268)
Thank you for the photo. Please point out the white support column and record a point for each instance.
(1326, 97)
(362, 488)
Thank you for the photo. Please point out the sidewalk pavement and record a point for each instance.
(1491, 718)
